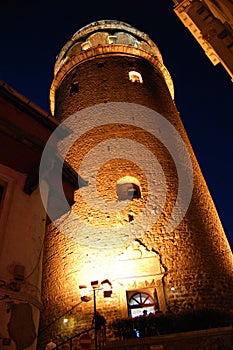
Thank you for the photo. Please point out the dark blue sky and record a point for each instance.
(33, 32)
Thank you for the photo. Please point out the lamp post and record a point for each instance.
(107, 292)
(94, 297)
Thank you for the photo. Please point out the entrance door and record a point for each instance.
(141, 302)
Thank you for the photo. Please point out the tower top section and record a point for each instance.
(105, 32)
(106, 37)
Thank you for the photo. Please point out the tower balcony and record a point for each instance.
(106, 37)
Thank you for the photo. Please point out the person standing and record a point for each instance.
(50, 345)
(99, 322)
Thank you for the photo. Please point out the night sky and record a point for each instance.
(33, 32)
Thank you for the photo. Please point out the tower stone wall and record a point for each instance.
(190, 267)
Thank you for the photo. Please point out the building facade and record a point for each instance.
(211, 24)
(144, 229)
(25, 128)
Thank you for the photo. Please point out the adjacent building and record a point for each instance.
(211, 24)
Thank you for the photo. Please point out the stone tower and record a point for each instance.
(145, 221)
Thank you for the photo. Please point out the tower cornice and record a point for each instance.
(102, 51)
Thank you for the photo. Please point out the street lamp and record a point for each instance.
(106, 286)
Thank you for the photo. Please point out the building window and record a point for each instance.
(223, 34)
(127, 191)
(2, 192)
(201, 10)
(135, 77)
(7, 184)
(140, 302)
(2, 188)
(226, 39)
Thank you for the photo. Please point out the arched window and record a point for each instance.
(135, 77)
(141, 301)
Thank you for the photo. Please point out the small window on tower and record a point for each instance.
(74, 88)
(135, 77)
(128, 191)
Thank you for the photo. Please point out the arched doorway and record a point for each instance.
(140, 301)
